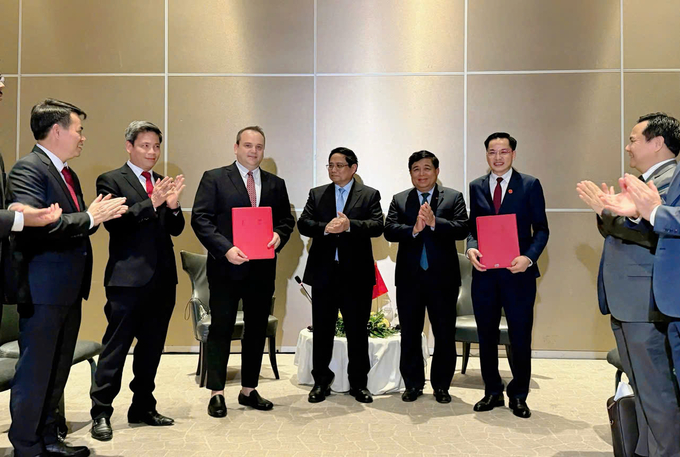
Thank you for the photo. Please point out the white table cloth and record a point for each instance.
(384, 353)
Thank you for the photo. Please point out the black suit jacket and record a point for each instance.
(355, 251)
(219, 191)
(54, 263)
(524, 198)
(140, 240)
(6, 222)
(450, 225)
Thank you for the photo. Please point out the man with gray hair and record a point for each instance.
(140, 279)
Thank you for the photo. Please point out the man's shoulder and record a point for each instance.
(450, 191)
(31, 160)
(364, 188)
(272, 176)
(403, 195)
(113, 173)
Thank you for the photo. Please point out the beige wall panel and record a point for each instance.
(81, 36)
(9, 25)
(567, 316)
(111, 103)
(241, 36)
(384, 120)
(540, 35)
(646, 93)
(8, 122)
(651, 37)
(568, 128)
(389, 36)
(205, 113)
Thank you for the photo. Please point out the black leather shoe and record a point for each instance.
(489, 402)
(217, 407)
(442, 396)
(64, 450)
(101, 429)
(411, 394)
(361, 395)
(149, 418)
(254, 400)
(519, 408)
(319, 393)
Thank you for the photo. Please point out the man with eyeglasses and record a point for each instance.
(512, 289)
(341, 218)
(426, 220)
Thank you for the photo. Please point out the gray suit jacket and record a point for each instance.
(624, 283)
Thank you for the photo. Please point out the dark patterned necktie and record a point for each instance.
(497, 194)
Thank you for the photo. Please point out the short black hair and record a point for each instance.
(501, 135)
(350, 156)
(254, 128)
(45, 114)
(420, 155)
(661, 124)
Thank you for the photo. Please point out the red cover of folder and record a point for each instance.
(253, 229)
(497, 239)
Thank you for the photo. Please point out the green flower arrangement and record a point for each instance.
(378, 326)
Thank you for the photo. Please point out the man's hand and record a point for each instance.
(474, 255)
(106, 208)
(236, 256)
(645, 196)
(590, 194)
(519, 264)
(427, 213)
(38, 217)
(344, 221)
(276, 240)
(621, 203)
(334, 226)
(172, 198)
(161, 190)
(420, 224)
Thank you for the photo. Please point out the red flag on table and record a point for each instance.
(380, 288)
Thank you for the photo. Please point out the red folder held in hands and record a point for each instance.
(253, 229)
(497, 239)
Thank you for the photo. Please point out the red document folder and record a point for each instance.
(497, 239)
(253, 230)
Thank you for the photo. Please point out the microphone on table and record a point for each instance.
(309, 297)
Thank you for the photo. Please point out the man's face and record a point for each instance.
(424, 174)
(339, 171)
(499, 156)
(146, 150)
(641, 152)
(2, 86)
(250, 151)
(71, 139)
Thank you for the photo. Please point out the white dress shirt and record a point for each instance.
(138, 172)
(429, 202)
(256, 177)
(493, 182)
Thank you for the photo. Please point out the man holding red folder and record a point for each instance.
(232, 276)
(513, 289)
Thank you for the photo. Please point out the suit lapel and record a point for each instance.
(486, 191)
(132, 179)
(353, 197)
(236, 179)
(267, 189)
(78, 190)
(511, 192)
(55, 173)
(437, 198)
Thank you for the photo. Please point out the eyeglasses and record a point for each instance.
(338, 166)
(502, 152)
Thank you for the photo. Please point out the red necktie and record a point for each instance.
(149, 184)
(497, 194)
(68, 177)
(250, 186)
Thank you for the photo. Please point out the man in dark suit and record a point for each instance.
(341, 218)
(54, 266)
(426, 221)
(140, 272)
(624, 287)
(513, 289)
(231, 275)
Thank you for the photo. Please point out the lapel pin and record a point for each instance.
(509, 191)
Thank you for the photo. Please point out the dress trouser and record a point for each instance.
(47, 341)
(646, 360)
(493, 291)
(133, 312)
(256, 290)
(422, 293)
(674, 345)
(354, 302)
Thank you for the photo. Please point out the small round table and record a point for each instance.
(384, 353)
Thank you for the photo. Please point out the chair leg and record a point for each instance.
(204, 368)
(200, 356)
(93, 370)
(62, 410)
(508, 354)
(617, 380)
(466, 357)
(272, 355)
